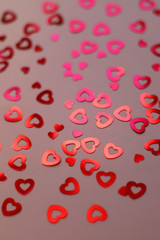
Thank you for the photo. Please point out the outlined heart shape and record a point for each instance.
(62, 210)
(98, 208)
(6, 53)
(127, 110)
(18, 139)
(86, 161)
(108, 183)
(69, 180)
(137, 78)
(25, 70)
(95, 141)
(49, 7)
(16, 205)
(114, 155)
(55, 19)
(22, 191)
(80, 111)
(3, 66)
(38, 48)
(88, 47)
(76, 26)
(16, 109)
(24, 44)
(16, 157)
(130, 192)
(119, 45)
(87, 4)
(101, 29)
(138, 26)
(120, 72)
(58, 127)
(147, 4)
(40, 96)
(45, 155)
(154, 49)
(31, 28)
(8, 17)
(138, 158)
(107, 98)
(148, 147)
(89, 98)
(99, 123)
(17, 94)
(40, 123)
(113, 9)
(151, 119)
(147, 95)
(76, 144)
(137, 120)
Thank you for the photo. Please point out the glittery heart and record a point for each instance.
(99, 123)
(119, 151)
(58, 127)
(31, 28)
(17, 207)
(40, 96)
(77, 77)
(16, 109)
(36, 85)
(36, 125)
(52, 135)
(101, 29)
(137, 78)
(7, 53)
(82, 65)
(154, 49)
(77, 133)
(113, 9)
(138, 158)
(101, 54)
(75, 53)
(71, 161)
(55, 19)
(87, 161)
(120, 72)
(115, 50)
(108, 183)
(2, 177)
(88, 47)
(17, 94)
(137, 120)
(76, 26)
(95, 141)
(156, 67)
(18, 139)
(140, 186)
(45, 155)
(49, 7)
(148, 147)
(114, 86)
(151, 119)
(12, 164)
(41, 61)
(142, 43)
(80, 111)
(51, 209)
(8, 17)
(3, 66)
(69, 180)
(127, 110)
(87, 4)
(18, 185)
(138, 27)
(69, 104)
(143, 96)
(74, 149)
(147, 4)
(24, 44)
(99, 98)
(89, 98)
(98, 208)
(25, 70)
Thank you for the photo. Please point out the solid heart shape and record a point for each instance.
(45, 155)
(25, 70)
(41, 61)
(142, 43)
(98, 208)
(7, 53)
(148, 147)
(108, 183)
(114, 155)
(40, 96)
(137, 120)
(77, 77)
(24, 44)
(114, 86)
(71, 161)
(143, 96)
(107, 103)
(88, 47)
(55, 19)
(38, 48)
(82, 65)
(154, 49)
(138, 26)
(129, 189)
(68, 73)
(36, 85)
(31, 28)
(147, 4)
(123, 191)
(95, 141)
(2, 37)
(89, 98)
(18, 139)
(115, 50)
(127, 110)
(52, 135)
(77, 133)
(36, 125)
(99, 123)
(12, 164)
(137, 78)
(120, 72)
(67, 65)
(113, 9)
(69, 180)
(51, 209)
(16, 109)
(76, 26)
(80, 111)
(19, 187)
(150, 117)
(8, 17)
(101, 29)
(17, 207)
(138, 158)
(87, 4)
(101, 54)
(86, 161)
(156, 67)
(74, 149)
(3, 66)
(69, 104)
(75, 53)
(2, 177)
(156, 12)
(49, 7)
(58, 127)
(17, 94)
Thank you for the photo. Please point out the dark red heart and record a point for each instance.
(40, 96)
(2, 37)
(2, 177)
(31, 28)
(142, 43)
(71, 161)
(22, 181)
(138, 158)
(156, 67)
(14, 158)
(56, 19)
(6, 53)
(36, 85)
(38, 48)
(76, 189)
(8, 17)
(24, 44)
(41, 61)
(58, 127)
(130, 192)
(52, 135)
(18, 207)
(3, 66)
(123, 191)
(109, 182)
(25, 70)
(36, 125)
(156, 12)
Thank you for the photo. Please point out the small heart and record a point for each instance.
(36, 85)
(77, 77)
(40, 96)
(138, 158)
(123, 191)
(75, 53)
(67, 65)
(114, 86)
(77, 133)
(41, 61)
(2, 177)
(83, 65)
(55, 37)
(52, 135)
(71, 161)
(101, 54)
(25, 70)
(38, 48)
(69, 104)
(68, 73)
(8, 17)
(58, 127)
(142, 43)
(2, 37)
(156, 12)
